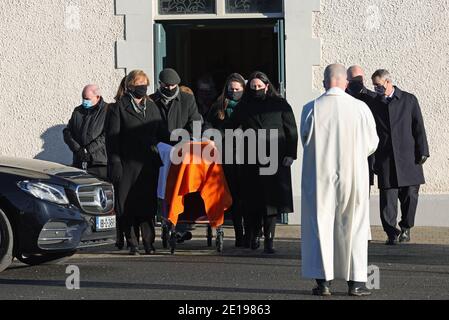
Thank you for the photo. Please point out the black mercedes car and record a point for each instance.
(48, 211)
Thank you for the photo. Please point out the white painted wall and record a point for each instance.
(49, 49)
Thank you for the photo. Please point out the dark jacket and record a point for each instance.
(268, 194)
(86, 130)
(232, 171)
(368, 97)
(403, 140)
(133, 158)
(180, 113)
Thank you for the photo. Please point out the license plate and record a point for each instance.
(105, 223)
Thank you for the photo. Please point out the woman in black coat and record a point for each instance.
(133, 131)
(219, 118)
(266, 196)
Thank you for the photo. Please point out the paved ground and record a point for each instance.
(419, 270)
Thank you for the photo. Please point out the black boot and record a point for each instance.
(134, 251)
(150, 250)
(246, 241)
(268, 246)
(239, 242)
(255, 243)
(405, 235)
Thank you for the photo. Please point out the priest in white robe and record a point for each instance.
(338, 133)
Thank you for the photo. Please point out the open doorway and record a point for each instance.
(201, 50)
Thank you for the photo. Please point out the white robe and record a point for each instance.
(338, 133)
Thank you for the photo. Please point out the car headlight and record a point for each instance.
(44, 191)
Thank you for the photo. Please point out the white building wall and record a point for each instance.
(49, 49)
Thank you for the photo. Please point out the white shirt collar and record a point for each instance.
(391, 95)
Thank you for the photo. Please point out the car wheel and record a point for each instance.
(6, 242)
(36, 259)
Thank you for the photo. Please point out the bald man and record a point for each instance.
(85, 135)
(338, 134)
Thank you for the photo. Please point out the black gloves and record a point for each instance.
(421, 160)
(82, 155)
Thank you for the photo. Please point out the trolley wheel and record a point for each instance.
(220, 240)
(209, 236)
(165, 235)
(173, 241)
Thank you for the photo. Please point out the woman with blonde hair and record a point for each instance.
(134, 127)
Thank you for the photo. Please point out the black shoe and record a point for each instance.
(120, 245)
(181, 237)
(359, 291)
(405, 235)
(268, 246)
(392, 241)
(255, 243)
(150, 251)
(134, 251)
(321, 290)
(239, 243)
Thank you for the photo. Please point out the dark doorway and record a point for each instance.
(215, 49)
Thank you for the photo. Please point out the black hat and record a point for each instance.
(169, 76)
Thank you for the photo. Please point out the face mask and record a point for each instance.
(356, 85)
(380, 90)
(258, 94)
(235, 95)
(87, 104)
(169, 93)
(139, 91)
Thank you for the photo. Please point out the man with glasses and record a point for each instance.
(399, 159)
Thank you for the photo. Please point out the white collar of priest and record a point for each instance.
(335, 91)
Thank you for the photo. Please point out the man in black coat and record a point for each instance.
(399, 160)
(178, 111)
(357, 89)
(85, 134)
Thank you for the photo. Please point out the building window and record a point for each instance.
(253, 6)
(167, 7)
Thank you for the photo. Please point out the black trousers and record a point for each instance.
(408, 198)
(241, 225)
(146, 227)
(100, 172)
(269, 226)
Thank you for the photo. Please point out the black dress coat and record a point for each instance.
(179, 114)
(403, 140)
(268, 194)
(86, 129)
(368, 97)
(133, 158)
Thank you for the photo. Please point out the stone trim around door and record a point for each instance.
(136, 51)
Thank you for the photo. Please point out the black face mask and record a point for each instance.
(235, 95)
(169, 93)
(258, 94)
(139, 91)
(356, 85)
